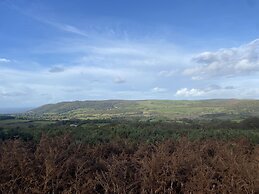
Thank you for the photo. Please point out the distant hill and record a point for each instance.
(151, 109)
(64, 107)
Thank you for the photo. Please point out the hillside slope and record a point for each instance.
(158, 109)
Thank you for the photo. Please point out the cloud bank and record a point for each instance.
(227, 62)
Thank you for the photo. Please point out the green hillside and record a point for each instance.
(149, 109)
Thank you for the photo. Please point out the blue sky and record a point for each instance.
(53, 50)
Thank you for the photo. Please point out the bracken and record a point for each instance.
(59, 165)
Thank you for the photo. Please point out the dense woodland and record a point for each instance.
(105, 130)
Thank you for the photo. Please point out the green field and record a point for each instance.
(148, 109)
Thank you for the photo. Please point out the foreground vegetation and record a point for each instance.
(116, 156)
(60, 165)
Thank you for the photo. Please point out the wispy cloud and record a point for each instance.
(5, 60)
(123, 53)
(64, 27)
(72, 29)
(42, 18)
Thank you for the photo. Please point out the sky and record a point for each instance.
(56, 50)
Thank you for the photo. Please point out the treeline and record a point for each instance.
(6, 117)
(104, 131)
(245, 124)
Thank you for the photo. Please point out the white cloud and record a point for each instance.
(4, 60)
(185, 92)
(158, 89)
(226, 62)
(211, 91)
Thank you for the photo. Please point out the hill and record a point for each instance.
(149, 109)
